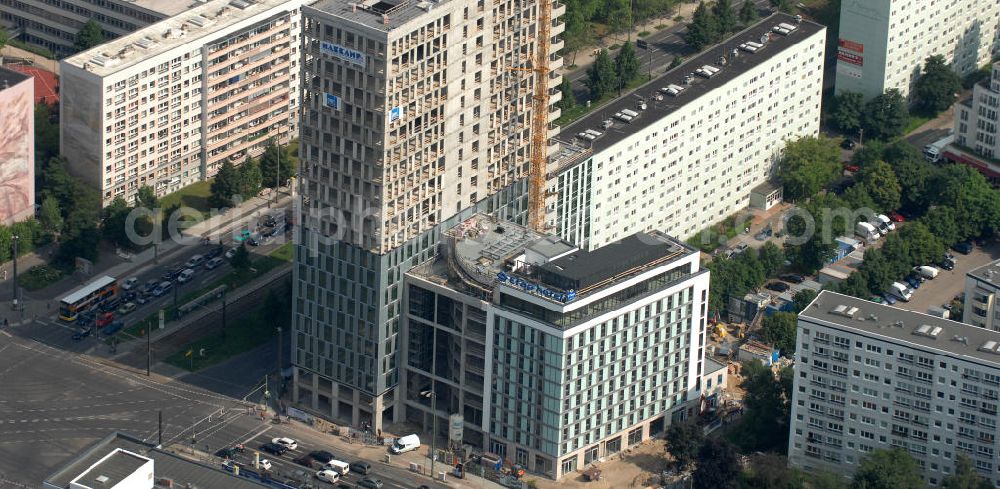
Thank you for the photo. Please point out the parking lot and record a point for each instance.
(948, 284)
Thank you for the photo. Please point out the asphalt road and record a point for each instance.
(55, 403)
(664, 45)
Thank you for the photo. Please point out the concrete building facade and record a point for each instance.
(165, 106)
(687, 150)
(981, 288)
(17, 147)
(554, 357)
(977, 140)
(883, 43)
(413, 113)
(53, 24)
(871, 376)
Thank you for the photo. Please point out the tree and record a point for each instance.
(782, 5)
(225, 185)
(941, 221)
(766, 415)
(90, 35)
(46, 134)
(275, 166)
(4, 39)
(601, 76)
(925, 246)
(725, 15)
(578, 33)
(684, 440)
(808, 164)
(881, 184)
(241, 259)
(81, 243)
(937, 87)
(779, 330)
(50, 216)
(146, 197)
(568, 101)
(847, 110)
(856, 285)
(965, 476)
(748, 13)
(914, 174)
(703, 30)
(619, 15)
(771, 258)
(885, 116)
(878, 271)
(250, 177)
(113, 226)
(802, 298)
(888, 469)
(627, 65)
(718, 466)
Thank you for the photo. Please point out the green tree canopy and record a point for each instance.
(619, 15)
(684, 439)
(748, 13)
(782, 5)
(888, 469)
(225, 186)
(46, 134)
(847, 110)
(725, 15)
(627, 65)
(275, 166)
(250, 178)
(90, 35)
(941, 221)
(704, 28)
(766, 416)
(568, 100)
(808, 164)
(601, 76)
(771, 257)
(779, 330)
(241, 259)
(50, 216)
(938, 86)
(146, 197)
(113, 226)
(926, 248)
(718, 466)
(965, 476)
(802, 298)
(885, 116)
(880, 182)
(878, 271)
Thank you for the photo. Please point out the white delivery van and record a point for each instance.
(939, 312)
(899, 290)
(866, 231)
(405, 444)
(927, 271)
(338, 466)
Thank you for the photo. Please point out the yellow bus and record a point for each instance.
(86, 297)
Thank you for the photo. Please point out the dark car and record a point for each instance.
(947, 265)
(793, 278)
(228, 452)
(112, 328)
(321, 456)
(111, 304)
(268, 232)
(169, 275)
(270, 221)
(360, 467)
(214, 252)
(305, 461)
(912, 281)
(889, 299)
(253, 241)
(79, 335)
(847, 144)
(964, 247)
(273, 449)
(150, 285)
(370, 483)
(130, 296)
(777, 286)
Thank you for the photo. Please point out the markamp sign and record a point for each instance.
(536, 289)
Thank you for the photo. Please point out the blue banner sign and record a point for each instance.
(536, 289)
(343, 53)
(331, 101)
(395, 114)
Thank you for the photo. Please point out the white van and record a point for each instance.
(927, 271)
(405, 444)
(866, 231)
(338, 466)
(899, 290)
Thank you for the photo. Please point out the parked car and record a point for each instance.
(126, 308)
(227, 452)
(947, 264)
(897, 217)
(112, 328)
(214, 252)
(965, 247)
(163, 288)
(264, 464)
(213, 263)
(142, 299)
(81, 334)
(889, 299)
(777, 286)
(130, 296)
(194, 261)
(361, 467)
(305, 461)
(327, 475)
(273, 449)
(254, 240)
(876, 299)
(169, 275)
(847, 144)
(370, 483)
(285, 442)
(793, 278)
(230, 253)
(852, 168)
(185, 276)
(151, 284)
(129, 283)
(321, 456)
(927, 271)
(912, 281)
(104, 319)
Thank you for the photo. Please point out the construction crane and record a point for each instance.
(540, 120)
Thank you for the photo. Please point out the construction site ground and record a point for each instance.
(638, 467)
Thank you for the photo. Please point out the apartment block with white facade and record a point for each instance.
(870, 376)
(53, 24)
(883, 43)
(165, 106)
(413, 113)
(982, 286)
(685, 151)
(550, 356)
(977, 138)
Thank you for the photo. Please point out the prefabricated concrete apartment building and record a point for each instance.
(166, 105)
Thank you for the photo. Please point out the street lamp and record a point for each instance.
(15, 294)
(433, 397)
